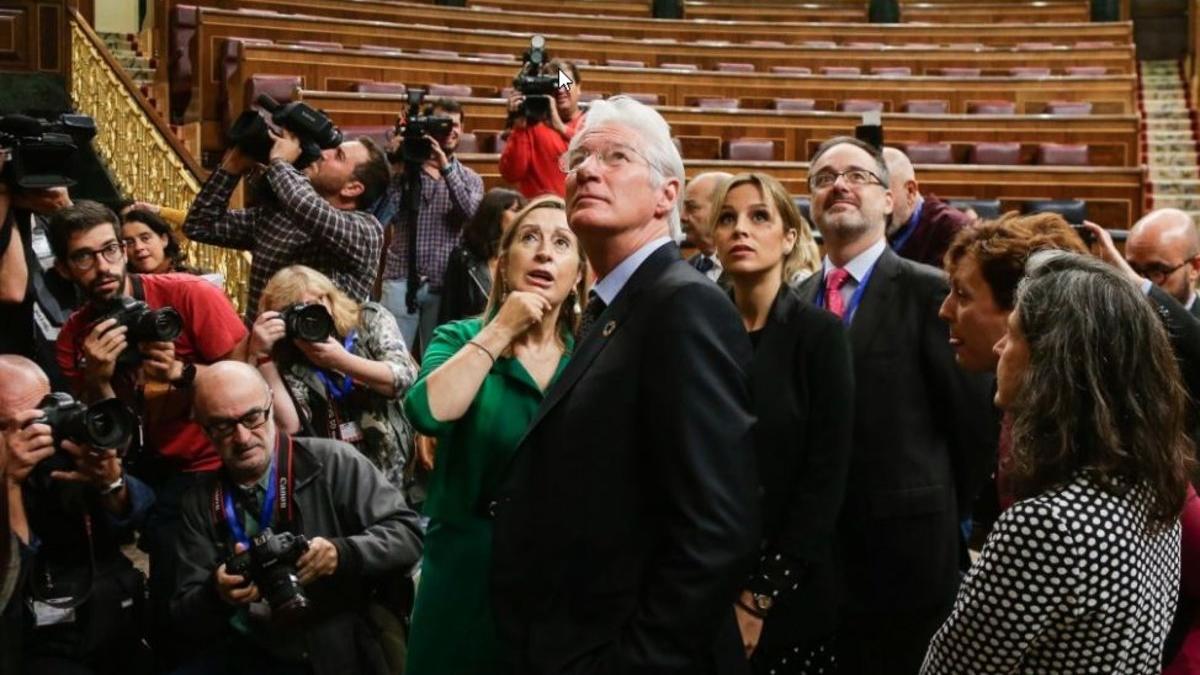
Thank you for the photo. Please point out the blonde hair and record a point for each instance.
(804, 255)
(289, 284)
(572, 307)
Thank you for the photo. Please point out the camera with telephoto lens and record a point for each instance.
(537, 88)
(309, 322)
(414, 147)
(105, 425)
(270, 563)
(249, 132)
(142, 323)
(41, 153)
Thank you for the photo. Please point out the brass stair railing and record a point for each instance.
(144, 158)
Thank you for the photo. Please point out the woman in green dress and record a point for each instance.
(481, 383)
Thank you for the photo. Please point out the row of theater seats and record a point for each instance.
(283, 88)
(1075, 211)
(919, 107)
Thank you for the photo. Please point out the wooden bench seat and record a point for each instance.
(996, 11)
(1114, 195)
(339, 69)
(210, 27)
(1112, 139)
(1120, 33)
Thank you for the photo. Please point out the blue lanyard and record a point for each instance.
(335, 391)
(855, 299)
(268, 507)
(909, 228)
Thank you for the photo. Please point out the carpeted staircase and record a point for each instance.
(1169, 137)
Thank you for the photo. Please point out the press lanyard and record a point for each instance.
(336, 392)
(273, 491)
(855, 299)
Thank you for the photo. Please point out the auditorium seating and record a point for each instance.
(1084, 34)
(1075, 211)
(929, 153)
(1002, 153)
(1112, 140)
(984, 208)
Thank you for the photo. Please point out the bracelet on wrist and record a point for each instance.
(483, 349)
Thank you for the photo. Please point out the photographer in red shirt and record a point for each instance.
(100, 353)
(531, 153)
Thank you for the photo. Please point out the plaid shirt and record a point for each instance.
(446, 205)
(303, 229)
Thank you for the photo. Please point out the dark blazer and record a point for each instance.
(803, 384)
(1195, 310)
(1183, 329)
(925, 434)
(628, 518)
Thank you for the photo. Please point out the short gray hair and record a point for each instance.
(657, 146)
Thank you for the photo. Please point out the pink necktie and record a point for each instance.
(833, 284)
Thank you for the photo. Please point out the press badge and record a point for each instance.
(350, 432)
(48, 615)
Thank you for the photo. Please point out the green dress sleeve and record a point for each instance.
(447, 340)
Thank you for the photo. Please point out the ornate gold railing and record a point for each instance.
(143, 157)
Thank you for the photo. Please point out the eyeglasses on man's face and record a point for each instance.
(612, 157)
(84, 259)
(220, 429)
(1158, 272)
(853, 177)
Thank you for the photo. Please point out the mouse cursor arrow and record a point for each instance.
(564, 80)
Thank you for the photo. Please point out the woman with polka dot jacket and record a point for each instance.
(1081, 574)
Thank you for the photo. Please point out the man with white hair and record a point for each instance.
(921, 226)
(628, 516)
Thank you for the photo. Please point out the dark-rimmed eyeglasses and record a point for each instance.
(853, 178)
(1157, 272)
(85, 259)
(220, 429)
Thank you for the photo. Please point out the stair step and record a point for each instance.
(1161, 147)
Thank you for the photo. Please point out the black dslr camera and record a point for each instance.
(311, 323)
(537, 88)
(313, 127)
(106, 424)
(40, 153)
(270, 563)
(414, 147)
(143, 324)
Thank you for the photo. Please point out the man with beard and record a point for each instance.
(316, 218)
(98, 356)
(531, 153)
(450, 194)
(924, 430)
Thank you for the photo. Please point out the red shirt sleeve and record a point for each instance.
(518, 152)
(67, 348)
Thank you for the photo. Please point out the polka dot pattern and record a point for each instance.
(1068, 582)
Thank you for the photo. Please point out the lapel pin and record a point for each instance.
(609, 328)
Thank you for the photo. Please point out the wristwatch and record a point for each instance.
(762, 603)
(186, 377)
(114, 486)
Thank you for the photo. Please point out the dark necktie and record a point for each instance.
(595, 307)
(704, 264)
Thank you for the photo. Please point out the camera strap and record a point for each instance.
(336, 392)
(69, 603)
(139, 288)
(279, 493)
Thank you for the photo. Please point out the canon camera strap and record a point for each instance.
(277, 501)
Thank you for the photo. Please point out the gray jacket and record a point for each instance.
(339, 495)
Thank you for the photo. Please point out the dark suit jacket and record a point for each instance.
(803, 384)
(925, 436)
(1195, 310)
(1183, 329)
(629, 516)
(936, 228)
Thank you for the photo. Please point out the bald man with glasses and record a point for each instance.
(1164, 247)
(363, 538)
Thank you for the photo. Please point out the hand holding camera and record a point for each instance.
(159, 363)
(320, 560)
(101, 349)
(269, 328)
(236, 162)
(93, 466)
(235, 589)
(28, 444)
(287, 146)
